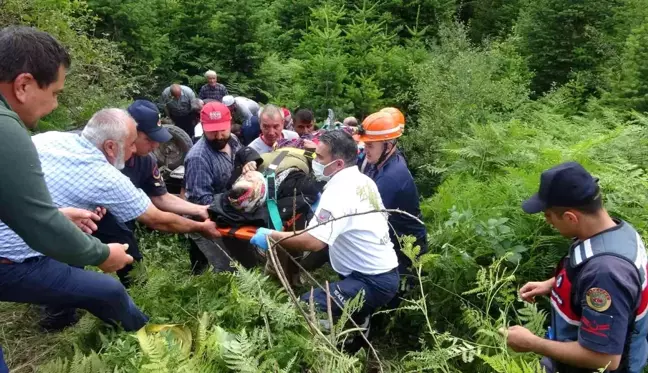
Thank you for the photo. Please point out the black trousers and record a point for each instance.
(186, 122)
(110, 230)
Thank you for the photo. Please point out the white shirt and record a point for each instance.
(77, 175)
(263, 148)
(357, 243)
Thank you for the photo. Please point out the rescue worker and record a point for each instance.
(598, 291)
(179, 103)
(212, 90)
(143, 172)
(208, 169)
(387, 168)
(271, 119)
(30, 82)
(359, 246)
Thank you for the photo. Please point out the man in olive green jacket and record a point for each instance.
(32, 74)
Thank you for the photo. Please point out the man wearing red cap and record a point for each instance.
(208, 168)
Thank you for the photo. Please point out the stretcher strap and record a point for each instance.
(271, 201)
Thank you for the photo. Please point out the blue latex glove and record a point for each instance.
(259, 238)
(316, 203)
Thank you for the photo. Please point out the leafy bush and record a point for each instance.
(459, 88)
(95, 79)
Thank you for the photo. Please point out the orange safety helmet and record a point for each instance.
(379, 126)
(396, 114)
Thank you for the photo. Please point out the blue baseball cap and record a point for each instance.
(565, 185)
(147, 116)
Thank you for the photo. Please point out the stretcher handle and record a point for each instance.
(242, 233)
(246, 232)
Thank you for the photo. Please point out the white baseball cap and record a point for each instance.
(228, 100)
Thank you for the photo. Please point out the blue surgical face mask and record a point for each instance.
(318, 170)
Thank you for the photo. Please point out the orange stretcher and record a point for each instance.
(246, 232)
(242, 233)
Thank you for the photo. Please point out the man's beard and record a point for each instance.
(119, 162)
(218, 144)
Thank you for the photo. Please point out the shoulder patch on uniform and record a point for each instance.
(598, 299)
(156, 172)
(324, 216)
(595, 327)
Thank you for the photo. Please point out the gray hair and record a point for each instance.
(271, 111)
(210, 73)
(341, 145)
(107, 124)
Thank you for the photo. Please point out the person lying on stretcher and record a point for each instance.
(277, 192)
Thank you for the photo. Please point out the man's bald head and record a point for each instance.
(176, 90)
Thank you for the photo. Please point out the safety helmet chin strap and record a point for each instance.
(386, 153)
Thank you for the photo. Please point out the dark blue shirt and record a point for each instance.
(597, 297)
(144, 174)
(207, 171)
(398, 191)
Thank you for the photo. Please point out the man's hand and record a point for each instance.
(209, 230)
(530, 290)
(519, 338)
(202, 212)
(250, 166)
(117, 258)
(260, 238)
(83, 219)
(308, 144)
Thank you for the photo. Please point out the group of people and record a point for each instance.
(70, 200)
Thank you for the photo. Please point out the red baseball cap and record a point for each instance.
(215, 116)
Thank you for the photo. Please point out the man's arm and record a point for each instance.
(170, 203)
(521, 339)
(198, 181)
(168, 222)
(27, 206)
(572, 353)
(303, 242)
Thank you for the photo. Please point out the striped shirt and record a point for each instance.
(207, 171)
(77, 175)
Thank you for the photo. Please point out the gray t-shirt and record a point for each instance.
(263, 148)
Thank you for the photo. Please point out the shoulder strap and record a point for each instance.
(271, 201)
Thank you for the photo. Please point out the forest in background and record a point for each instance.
(494, 92)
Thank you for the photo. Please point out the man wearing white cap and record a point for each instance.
(242, 109)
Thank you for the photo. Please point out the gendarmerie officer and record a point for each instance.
(598, 291)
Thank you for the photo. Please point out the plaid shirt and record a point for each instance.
(208, 92)
(207, 171)
(77, 175)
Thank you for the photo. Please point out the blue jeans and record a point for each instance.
(3, 366)
(378, 291)
(45, 281)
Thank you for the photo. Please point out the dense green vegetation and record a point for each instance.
(494, 92)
